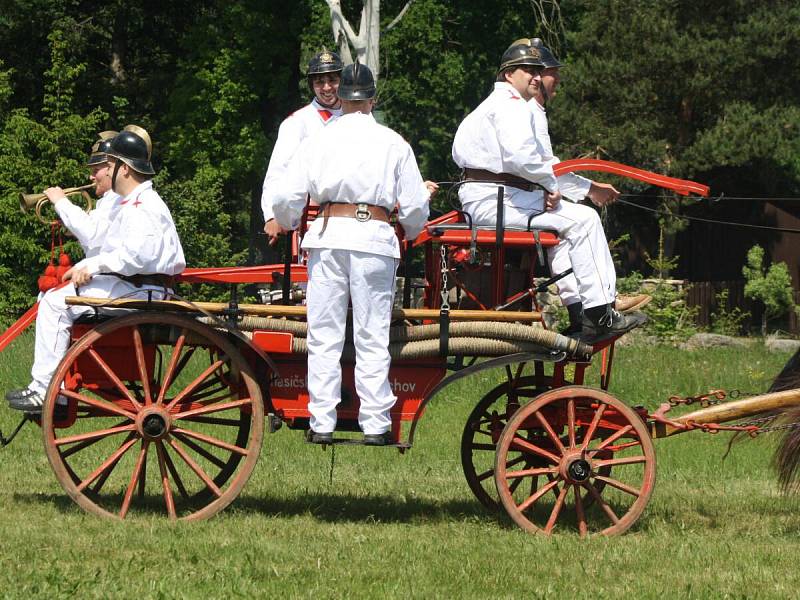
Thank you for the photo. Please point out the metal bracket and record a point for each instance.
(5, 441)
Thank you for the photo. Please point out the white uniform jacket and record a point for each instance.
(294, 129)
(499, 136)
(354, 160)
(574, 187)
(141, 238)
(89, 228)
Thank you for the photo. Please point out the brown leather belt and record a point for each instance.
(361, 212)
(503, 178)
(165, 281)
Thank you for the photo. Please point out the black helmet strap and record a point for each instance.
(117, 163)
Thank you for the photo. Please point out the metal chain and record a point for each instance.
(445, 293)
(719, 396)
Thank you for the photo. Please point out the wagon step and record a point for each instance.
(360, 442)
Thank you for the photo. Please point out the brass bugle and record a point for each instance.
(35, 202)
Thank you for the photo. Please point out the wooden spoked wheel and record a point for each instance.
(165, 416)
(482, 431)
(573, 436)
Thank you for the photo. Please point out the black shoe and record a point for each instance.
(378, 439)
(319, 438)
(26, 400)
(603, 322)
(17, 394)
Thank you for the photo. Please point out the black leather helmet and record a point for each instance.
(325, 62)
(550, 61)
(100, 148)
(357, 83)
(521, 53)
(133, 147)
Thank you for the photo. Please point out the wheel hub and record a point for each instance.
(579, 470)
(575, 467)
(153, 423)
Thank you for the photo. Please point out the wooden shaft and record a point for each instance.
(740, 409)
(274, 310)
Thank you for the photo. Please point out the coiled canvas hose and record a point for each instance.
(472, 338)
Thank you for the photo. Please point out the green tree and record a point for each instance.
(36, 153)
(771, 286)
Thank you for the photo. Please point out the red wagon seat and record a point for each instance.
(453, 230)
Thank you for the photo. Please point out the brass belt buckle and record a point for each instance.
(362, 212)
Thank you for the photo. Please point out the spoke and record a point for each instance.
(200, 450)
(549, 429)
(593, 427)
(114, 379)
(168, 499)
(196, 468)
(101, 481)
(187, 391)
(571, 421)
(142, 365)
(602, 503)
(534, 497)
(142, 481)
(212, 440)
(175, 475)
(184, 360)
(551, 522)
(611, 439)
(490, 447)
(627, 460)
(619, 485)
(582, 528)
(137, 471)
(100, 404)
(555, 490)
(212, 408)
(485, 475)
(522, 445)
(108, 463)
(94, 435)
(530, 472)
(215, 421)
(514, 485)
(534, 485)
(173, 362)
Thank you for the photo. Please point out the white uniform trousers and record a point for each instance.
(368, 280)
(54, 321)
(584, 245)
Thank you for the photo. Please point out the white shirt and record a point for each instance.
(294, 129)
(499, 136)
(89, 228)
(354, 160)
(571, 186)
(141, 238)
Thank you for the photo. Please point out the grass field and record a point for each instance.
(408, 526)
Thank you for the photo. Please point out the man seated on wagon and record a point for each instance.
(573, 187)
(498, 142)
(323, 73)
(357, 171)
(139, 256)
(90, 228)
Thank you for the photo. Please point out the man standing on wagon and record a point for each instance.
(324, 70)
(358, 171)
(139, 256)
(497, 142)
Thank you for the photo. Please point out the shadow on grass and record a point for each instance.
(322, 506)
(376, 508)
